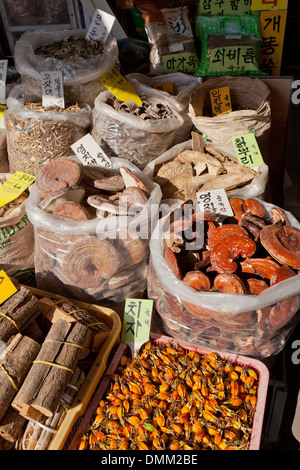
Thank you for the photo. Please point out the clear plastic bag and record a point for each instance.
(100, 259)
(256, 189)
(81, 82)
(35, 137)
(128, 136)
(251, 325)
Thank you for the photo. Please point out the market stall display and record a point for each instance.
(97, 247)
(251, 112)
(176, 397)
(237, 284)
(17, 237)
(135, 135)
(35, 415)
(81, 61)
(194, 166)
(36, 134)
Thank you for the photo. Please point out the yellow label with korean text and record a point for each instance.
(269, 4)
(120, 87)
(14, 187)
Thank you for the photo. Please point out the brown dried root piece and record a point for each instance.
(57, 174)
(89, 261)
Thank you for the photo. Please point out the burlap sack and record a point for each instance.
(17, 244)
(251, 112)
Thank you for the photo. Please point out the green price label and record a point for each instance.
(136, 322)
(247, 150)
(233, 59)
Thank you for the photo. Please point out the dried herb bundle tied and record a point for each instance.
(168, 397)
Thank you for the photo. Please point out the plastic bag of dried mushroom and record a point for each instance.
(194, 166)
(16, 238)
(234, 282)
(92, 229)
(137, 133)
(36, 134)
(251, 112)
(82, 61)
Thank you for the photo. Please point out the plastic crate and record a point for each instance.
(81, 401)
(258, 366)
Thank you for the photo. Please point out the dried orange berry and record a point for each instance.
(177, 428)
(160, 419)
(134, 420)
(175, 445)
(83, 445)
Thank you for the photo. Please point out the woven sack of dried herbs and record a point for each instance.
(81, 61)
(89, 244)
(251, 111)
(138, 133)
(36, 134)
(16, 238)
(4, 165)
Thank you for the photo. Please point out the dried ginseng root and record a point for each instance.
(168, 397)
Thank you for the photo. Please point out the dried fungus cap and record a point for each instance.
(57, 174)
(71, 210)
(89, 261)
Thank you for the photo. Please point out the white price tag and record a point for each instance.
(176, 47)
(100, 26)
(3, 73)
(52, 89)
(216, 201)
(90, 153)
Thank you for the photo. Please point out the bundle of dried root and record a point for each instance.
(200, 169)
(145, 111)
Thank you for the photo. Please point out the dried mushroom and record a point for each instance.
(71, 48)
(199, 169)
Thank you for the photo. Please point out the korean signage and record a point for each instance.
(90, 153)
(100, 26)
(136, 322)
(186, 62)
(52, 89)
(120, 87)
(220, 100)
(215, 201)
(273, 25)
(14, 187)
(269, 4)
(247, 150)
(224, 7)
(233, 59)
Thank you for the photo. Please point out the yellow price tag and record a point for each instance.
(3, 108)
(167, 87)
(120, 87)
(7, 287)
(220, 100)
(269, 4)
(14, 187)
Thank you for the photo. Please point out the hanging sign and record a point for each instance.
(273, 24)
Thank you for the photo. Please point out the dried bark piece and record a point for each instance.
(71, 210)
(57, 174)
(130, 179)
(133, 196)
(113, 183)
(170, 170)
(104, 205)
(74, 193)
(90, 174)
(89, 261)
(193, 157)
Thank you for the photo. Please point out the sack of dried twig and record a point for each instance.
(16, 238)
(137, 138)
(36, 135)
(251, 111)
(68, 52)
(183, 171)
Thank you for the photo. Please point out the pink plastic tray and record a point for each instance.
(258, 366)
